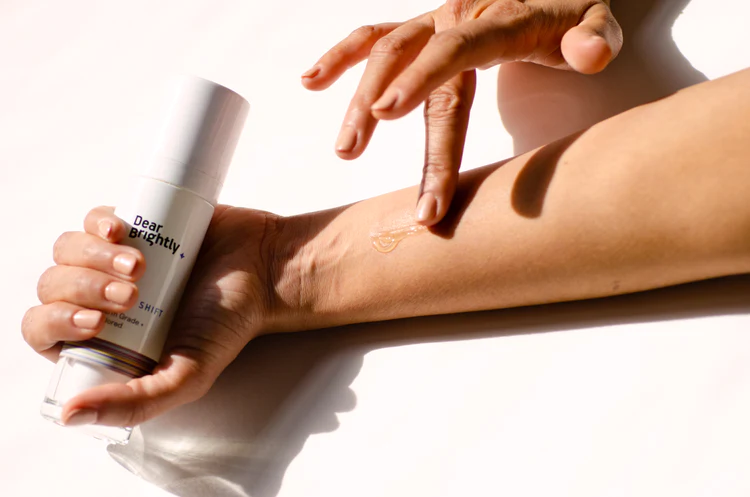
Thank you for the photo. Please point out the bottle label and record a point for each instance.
(167, 224)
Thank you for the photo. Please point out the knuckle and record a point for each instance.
(436, 168)
(363, 33)
(197, 379)
(58, 249)
(453, 44)
(142, 407)
(26, 325)
(81, 288)
(195, 387)
(459, 9)
(511, 10)
(96, 216)
(43, 285)
(444, 104)
(98, 211)
(89, 251)
(140, 412)
(389, 46)
(91, 216)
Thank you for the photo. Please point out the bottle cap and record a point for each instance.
(198, 137)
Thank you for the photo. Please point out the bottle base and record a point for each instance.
(73, 376)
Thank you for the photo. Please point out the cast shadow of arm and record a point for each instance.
(240, 438)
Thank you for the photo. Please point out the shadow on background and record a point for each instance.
(240, 438)
(539, 105)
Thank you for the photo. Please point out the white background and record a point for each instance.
(639, 395)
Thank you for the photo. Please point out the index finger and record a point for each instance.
(446, 115)
(449, 53)
(102, 222)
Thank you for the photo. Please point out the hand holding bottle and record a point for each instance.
(225, 304)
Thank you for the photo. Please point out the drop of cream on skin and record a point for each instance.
(386, 241)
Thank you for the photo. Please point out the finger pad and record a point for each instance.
(586, 53)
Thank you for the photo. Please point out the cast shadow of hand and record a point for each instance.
(240, 438)
(539, 105)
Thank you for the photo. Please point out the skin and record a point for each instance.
(432, 59)
(653, 197)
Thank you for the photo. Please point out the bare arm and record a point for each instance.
(656, 196)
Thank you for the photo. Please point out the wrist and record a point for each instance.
(297, 275)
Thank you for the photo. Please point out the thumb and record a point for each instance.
(590, 46)
(178, 380)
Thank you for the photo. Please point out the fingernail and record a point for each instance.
(105, 228)
(311, 73)
(347, 139)
(386, 102)
(88, 320)
(119, 293)
(124, 264)
(426, 208)
(82, 417)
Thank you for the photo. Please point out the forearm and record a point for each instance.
(657, 196)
